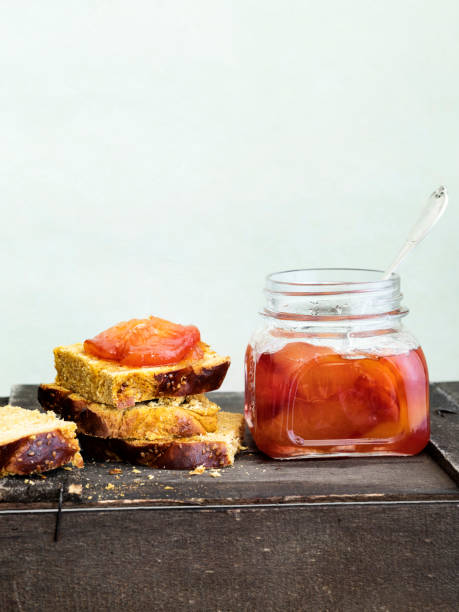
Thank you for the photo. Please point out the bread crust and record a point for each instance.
(170, 455)
(191, 380)
(141, 421)
(214, 450)
(109, 383)
(39, 453)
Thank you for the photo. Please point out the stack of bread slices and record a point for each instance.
(154, 416)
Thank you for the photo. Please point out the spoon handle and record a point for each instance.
(436, 205)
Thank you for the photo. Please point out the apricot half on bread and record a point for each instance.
(146, 342)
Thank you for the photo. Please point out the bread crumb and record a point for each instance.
(69, 469)
(89, 496)
(87, 485)
(75, 489)
(168, 488)
(110, 486)
(150, 476)
(115, 471)
(215, 473)
(198, 470)
(136, 471)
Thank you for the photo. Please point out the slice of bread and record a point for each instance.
(31, 441)
(108, 382)
(212, 450)
(170, 417)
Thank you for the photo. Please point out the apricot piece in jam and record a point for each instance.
(146, 342)
(302, 395)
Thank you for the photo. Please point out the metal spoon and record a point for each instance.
(436, 205)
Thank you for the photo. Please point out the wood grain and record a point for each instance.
(317, 558)
(444, 424)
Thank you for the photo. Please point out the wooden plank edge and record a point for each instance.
(444, 420)
(444, 460)
(75, 503)
(27, 509)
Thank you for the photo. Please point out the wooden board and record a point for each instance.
(254, 478)
(322, 535)
(444, 446)
(318, 558)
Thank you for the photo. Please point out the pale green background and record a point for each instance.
(163, 156)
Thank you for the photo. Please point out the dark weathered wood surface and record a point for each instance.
(253, 479)
(322, 535)
(333, 558)
(444, 446)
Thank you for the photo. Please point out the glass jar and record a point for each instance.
(332, 371)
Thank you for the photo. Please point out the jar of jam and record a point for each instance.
(332, 371)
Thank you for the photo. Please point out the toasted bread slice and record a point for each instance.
(31, 441)
(108, 382)
(171, 417)
(212, 450)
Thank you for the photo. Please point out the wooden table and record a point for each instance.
(337, 534)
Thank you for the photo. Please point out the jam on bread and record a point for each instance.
(146, 342)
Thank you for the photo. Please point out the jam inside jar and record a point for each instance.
(332, 371)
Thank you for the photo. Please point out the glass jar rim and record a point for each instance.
(365, 279)
(333, 294)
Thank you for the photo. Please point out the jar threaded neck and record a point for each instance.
(332, 294)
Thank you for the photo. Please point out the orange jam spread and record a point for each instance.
(307, 399)
(146, 342)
